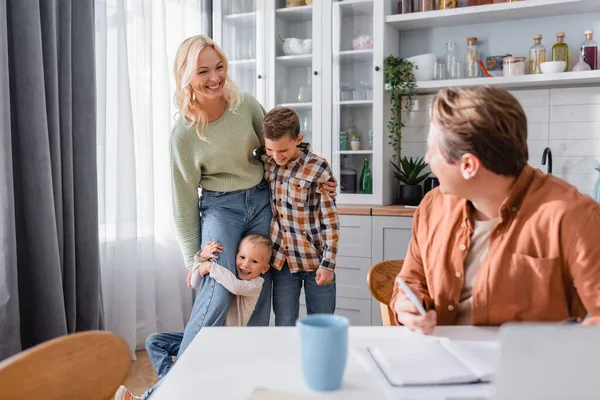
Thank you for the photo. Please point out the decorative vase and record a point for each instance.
(596, 193)
(410, 195)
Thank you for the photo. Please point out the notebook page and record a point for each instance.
(420, 363)
(481, 357)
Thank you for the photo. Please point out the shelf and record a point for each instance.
(241, 17)
(304, 60)
(354, 56)
(296, 105)
(295, 14)
(350, 152)
(355, 103)
(491, 13)
(517, 82)
(354, 8)
(242, 63)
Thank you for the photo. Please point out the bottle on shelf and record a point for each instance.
(560, 51)
(472, 58)
(370, 139)
(405, 6)
(537, 55)
(426, 5)
(366, 179)
(348, 177)
(590, 50)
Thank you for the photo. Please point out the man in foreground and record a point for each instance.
(498, 241)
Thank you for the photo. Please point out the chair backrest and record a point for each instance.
(381, 283)
(89, 365)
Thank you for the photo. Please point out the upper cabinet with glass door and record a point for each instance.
(237, 28)
(356, 98)
(295, 62)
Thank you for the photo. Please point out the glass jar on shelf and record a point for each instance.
(513, 66)
(447, 4)
(348, 177)
(426, 5)
(343, 141)
(405, 6)
(537, 55)
(472, 58)
(355, 143)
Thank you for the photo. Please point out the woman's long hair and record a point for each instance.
(184, 68)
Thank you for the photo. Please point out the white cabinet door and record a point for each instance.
(355, 236)
(293, 38)
(354, 68)
(238, 27)
(391, 236)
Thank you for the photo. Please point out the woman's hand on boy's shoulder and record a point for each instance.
(331, 187)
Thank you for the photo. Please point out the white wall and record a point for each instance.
(568, 120)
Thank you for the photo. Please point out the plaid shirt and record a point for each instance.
(305, 226)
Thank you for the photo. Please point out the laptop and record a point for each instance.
(548, 361)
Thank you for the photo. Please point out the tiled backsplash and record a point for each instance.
(567, 120)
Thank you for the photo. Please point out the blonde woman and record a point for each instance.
(212, 147)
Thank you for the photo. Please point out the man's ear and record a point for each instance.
(469, 166)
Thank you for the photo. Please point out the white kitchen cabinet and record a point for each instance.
(338, 84)
(238, 27)
(391, 236)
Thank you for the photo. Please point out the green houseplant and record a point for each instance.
(402, 87)
(409, 171)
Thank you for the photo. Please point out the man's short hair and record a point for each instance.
(485, 121)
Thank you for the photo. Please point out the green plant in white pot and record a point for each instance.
(410, 173)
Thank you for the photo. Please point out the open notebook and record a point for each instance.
(441, 362)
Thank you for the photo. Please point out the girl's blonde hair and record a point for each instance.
(184, 69)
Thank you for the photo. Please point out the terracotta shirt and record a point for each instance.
(542, 263)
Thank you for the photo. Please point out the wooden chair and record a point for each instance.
(381, 283)
(87, 365)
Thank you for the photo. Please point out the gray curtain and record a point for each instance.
(49, 258)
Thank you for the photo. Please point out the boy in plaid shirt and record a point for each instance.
(305, 227)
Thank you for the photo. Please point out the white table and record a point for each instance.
(230, 363)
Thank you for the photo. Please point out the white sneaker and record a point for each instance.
(124, 394)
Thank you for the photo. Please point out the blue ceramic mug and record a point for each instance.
(323, 350)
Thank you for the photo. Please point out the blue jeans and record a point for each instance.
(286, 295)
(161, 348)
(226, 218)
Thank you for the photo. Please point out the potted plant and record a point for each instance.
(410, 173)
(402, 87)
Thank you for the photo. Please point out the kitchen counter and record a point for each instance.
(384, 211)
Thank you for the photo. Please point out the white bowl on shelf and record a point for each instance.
(425, 64)
(553, 67)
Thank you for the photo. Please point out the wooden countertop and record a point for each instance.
(386, 211)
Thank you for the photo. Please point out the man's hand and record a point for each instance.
(589, 321)
(331, 187)
(204, 268)
(324, 276)
(409, 316)
(208, 251)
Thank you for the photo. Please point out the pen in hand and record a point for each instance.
(411, 295)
